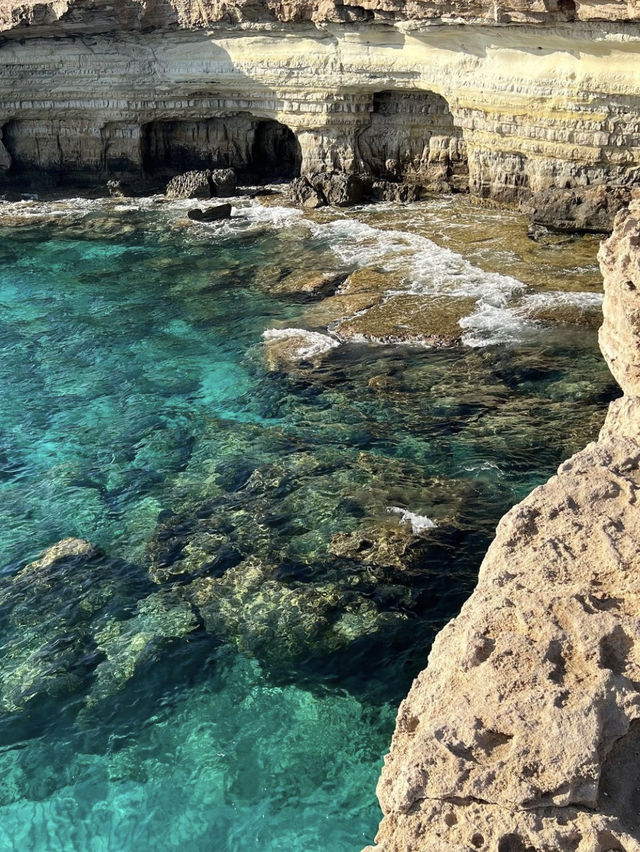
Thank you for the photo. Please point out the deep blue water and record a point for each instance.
(141, 709)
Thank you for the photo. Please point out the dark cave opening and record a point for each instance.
(412, 135)
(262, 149)
(276, 151)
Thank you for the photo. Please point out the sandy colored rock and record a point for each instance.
(620, 333)
(367, 280)
(77, 15)
(523, 732)
(568, 315)
(407, 318)
(91, 91)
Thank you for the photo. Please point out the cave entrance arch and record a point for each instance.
(413, 136)
(260, 149)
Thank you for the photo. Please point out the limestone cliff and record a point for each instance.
(527, 96)
(523, 733)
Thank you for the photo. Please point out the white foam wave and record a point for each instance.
(277, 216)
(491, 324)
(557, 298)
(311, 344)
(428, 268)
(431, 270)
(419, 523)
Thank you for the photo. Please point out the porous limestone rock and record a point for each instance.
(101, 15)
(523, 732)
(620, 333)
(194, 184)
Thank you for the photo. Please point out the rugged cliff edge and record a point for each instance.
(519, 101)
(523, 733)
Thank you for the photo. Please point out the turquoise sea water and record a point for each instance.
(138, 412)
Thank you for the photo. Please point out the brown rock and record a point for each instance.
(583, 209)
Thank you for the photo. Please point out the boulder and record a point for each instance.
(338, 189)
(210, 214)
(224, 182)
(194, 184)
(404, 192)
(118, 189)
(583, 209)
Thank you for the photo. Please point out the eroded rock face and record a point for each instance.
(522, 733)
(620, 333)
(141, 14)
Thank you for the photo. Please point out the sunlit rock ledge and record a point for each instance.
(506, 112)
(523, 731)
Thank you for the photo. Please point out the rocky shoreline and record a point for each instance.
(522, 733)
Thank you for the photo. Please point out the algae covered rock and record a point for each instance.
(77, 624)
(311, 553)
(411, 319)
(48, 609)
(159, 619)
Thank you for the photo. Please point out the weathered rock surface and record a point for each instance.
(411, 319)
(99, 15)
(523, 732)
(590, 208)
(335, 188)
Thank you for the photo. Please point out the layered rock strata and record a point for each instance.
(523, 98)
(523, 733)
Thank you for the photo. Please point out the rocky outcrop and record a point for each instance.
(218, 183)
(590, 208)
(523, 731)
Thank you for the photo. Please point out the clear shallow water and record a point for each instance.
(138, 413)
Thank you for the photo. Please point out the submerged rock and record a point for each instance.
(291, 347)
(307, 555)
(159, 619)
(49, 609)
